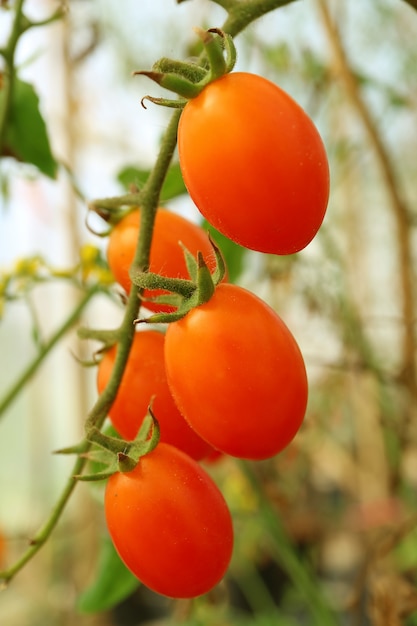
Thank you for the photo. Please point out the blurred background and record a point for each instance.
(326, 531)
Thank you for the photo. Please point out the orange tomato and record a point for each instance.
(144, 380)
(166, 257)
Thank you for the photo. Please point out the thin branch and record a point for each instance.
(8, 54)
(241, 14)
(30, 370)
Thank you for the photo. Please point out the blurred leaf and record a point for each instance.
(26, 136)
(113, 582)
(173, 185)
(279, 56)
(233, 253)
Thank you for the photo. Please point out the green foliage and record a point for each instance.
(26, 137)
(173, 185)
(112, 582)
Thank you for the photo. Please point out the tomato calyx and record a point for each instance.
(187, 80)
(185, 294)
(115, 454)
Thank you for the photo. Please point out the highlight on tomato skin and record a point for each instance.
(170, 523)
(237, 374)
(144, 381)
(167, 255)
(254, 163)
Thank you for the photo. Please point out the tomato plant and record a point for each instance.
(167, 256)
(170, 523)
(237, 374)
(144, 380)
(254, 163)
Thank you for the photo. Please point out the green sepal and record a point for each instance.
(191, 71)
(150, 280)
(87, 478)
(220, 269)
(214, 52)
(164, 102)
(188, 80)
(118, 455)
(203, 287)
(76, 449)
(229, 48)
(173, 82)
(191, 263)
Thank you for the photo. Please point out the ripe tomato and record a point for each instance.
(254, 163)
(3, 550)
(144, 378)
(237, 374)
(167, 256)
(170, 524)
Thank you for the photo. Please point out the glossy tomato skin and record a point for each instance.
(144, 380)
(237, 374)
(170, 523)
(254, 163)
(167, 256)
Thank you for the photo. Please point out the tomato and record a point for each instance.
(167, 256)
(170, 523)
(3, 550)
(144, 379)
(237, 374)
(254, 163)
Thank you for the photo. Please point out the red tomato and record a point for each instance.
(3, 550)
(144, 379)
(170, 524)
(254, 163)
(167, 256)
(237, 374)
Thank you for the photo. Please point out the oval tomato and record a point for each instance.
(254, 163)
(237, 374)
(144, 380)
(166, 257)
(170, 523)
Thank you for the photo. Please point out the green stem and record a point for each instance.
(285, 554)
(27, 374)
(100, 410)
(243, 13)
(9, 54)
(44, 533)
(149, 198)
(115, 202)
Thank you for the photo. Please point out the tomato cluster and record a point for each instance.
(227, 377)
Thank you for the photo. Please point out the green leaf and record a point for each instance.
(113, 582)
(173, 185)
(26, 136)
